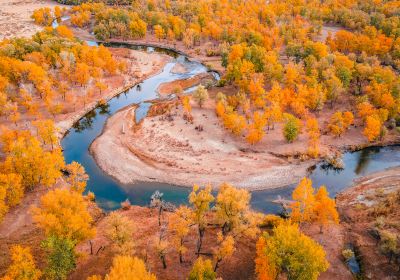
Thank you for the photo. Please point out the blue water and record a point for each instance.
(109, 193)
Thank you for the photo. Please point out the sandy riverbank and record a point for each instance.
(175, 152)
(142, 65)
(167, 149)
(15, 17)
(183, 84)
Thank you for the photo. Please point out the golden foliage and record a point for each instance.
(64, 214)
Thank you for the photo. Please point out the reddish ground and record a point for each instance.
(359, 220)
(238, 267)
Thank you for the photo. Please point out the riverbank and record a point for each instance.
(15, 17)
(142, 65)
(170, 150)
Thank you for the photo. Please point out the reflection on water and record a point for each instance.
(109, 193)
(364, 159)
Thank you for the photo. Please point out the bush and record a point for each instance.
(347, 254)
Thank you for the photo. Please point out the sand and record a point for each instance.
(170, 150)
(175, 152)
(15, 17)
(141, 65)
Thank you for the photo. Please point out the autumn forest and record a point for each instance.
(200, 140)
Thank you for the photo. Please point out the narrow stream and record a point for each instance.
(110, 193)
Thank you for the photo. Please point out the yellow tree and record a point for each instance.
(288, 251)
(200, 200)
(232, 206)
(325, 209)
(11, 183)
(372, 128)
(313, 132)
(119, 229)
(226, 248)
(64, 214)
(304, 201)
(22, 265)
(340, 122)
(159, 32)
(27, 158)
(179, 223)
(187, 108)
(202, 269)
(77, 176)
(129, 268)
(3, 204)
(82, 73)
(234, 122)
(46, 131)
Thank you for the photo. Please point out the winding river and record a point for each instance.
(110, 193)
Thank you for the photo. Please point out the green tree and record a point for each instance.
(61, 258)
(292, 128)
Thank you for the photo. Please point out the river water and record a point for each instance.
(110, 193)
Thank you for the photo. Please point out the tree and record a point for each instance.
(200, 95)
(289, 251)
(61, 259)
(27, 158)
(64, 214)
(159, 32)
(162, 249)
(200, 200)
(22, 265)
(202, 270)
(372, 128)
(340, 122)
(187, 108)
(388, 244)
(119, 229)
(234, 122)
(220, 109)
(231, 206)
(313, 137)
(101, 86)
(3, 204)
(11, 183)
(179, 223)
(325, 209)
(65, 32)
(42, 16)
(304, 201)
(77, 176)
(129, 268)
(82, 73)
(46, 131)
(226, 248)
(292, 128)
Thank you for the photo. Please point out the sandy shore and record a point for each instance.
(143, 65)
(174, 152)
(169, 87)
(15, 17)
